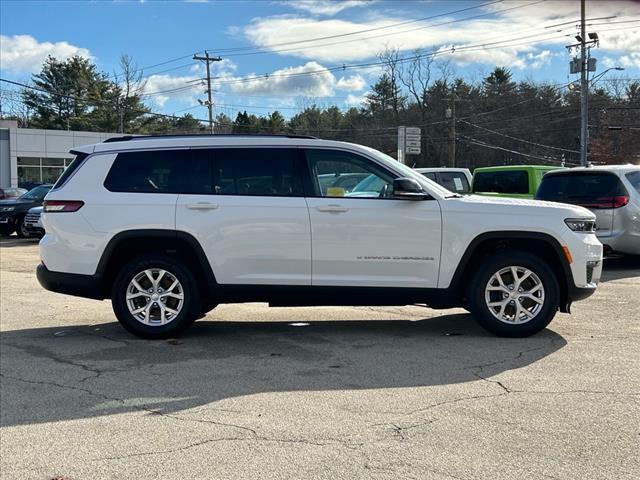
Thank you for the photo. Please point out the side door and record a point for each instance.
(246, 208)
(366, 237)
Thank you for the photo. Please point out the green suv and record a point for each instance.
(518, 181)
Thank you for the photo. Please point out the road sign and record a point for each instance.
(409, 142)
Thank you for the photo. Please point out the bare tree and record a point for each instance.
(416, 76)
(392, 65)
(131, 83)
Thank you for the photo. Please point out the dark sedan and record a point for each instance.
(12, 212)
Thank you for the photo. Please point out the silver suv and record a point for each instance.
(611, 192)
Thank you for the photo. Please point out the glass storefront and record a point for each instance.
(40, 170)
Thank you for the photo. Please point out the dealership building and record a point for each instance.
(31, 155)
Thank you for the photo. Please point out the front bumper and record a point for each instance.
(87, 286)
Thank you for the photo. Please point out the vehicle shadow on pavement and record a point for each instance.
(617, 268)
(63, 373)
(14, 241)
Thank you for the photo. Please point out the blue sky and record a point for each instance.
(256, 38)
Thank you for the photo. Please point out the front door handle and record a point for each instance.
(332, 208)
(202, 206)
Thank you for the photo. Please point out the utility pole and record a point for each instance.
(584, 89)
(207, 59)
(583, 65)
(450, 114)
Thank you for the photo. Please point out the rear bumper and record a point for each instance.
(88, 286)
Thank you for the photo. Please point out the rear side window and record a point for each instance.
(501, 182)
(634, 179)
(579, 187)
(73, 166)
(157, 171)
(256, 172)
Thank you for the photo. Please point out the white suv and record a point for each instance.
(169, 227)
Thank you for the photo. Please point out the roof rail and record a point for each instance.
(126, 138)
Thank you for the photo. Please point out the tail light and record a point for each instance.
(51, 206)
(606, 202)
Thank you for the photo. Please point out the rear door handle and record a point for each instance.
(332, 208)
(202, 206)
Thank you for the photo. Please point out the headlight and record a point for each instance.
(7, 209)
(583, 225)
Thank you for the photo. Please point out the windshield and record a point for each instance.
(634, 179)
(37, 193)
(372, 183)
(409, 172)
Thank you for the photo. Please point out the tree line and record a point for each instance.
(493, 120)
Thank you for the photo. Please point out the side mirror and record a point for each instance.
(408, 189)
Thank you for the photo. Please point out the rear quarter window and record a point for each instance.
(73, 166)
(634, 180)
(157, 171)
(501, 182)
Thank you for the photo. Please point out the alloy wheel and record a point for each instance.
(514, 295)
(155, 297)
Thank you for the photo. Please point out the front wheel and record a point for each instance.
(514, 294)
(21, 229)
(155, 296)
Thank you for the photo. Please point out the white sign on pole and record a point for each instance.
(409, 142)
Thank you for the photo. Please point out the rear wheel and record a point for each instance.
(514, 294)
(155, 296)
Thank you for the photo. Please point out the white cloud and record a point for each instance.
(160, 88)
(354, 83)
(326, 7)
(629, 61)
(23, 53)
(285, 81)
(356, 100)
(525, 23)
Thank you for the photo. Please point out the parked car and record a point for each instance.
(455, 179)
(12, 212)
(343, 182)
(33, 223)
(517, 181)
(169, 227)
(8, 193)
(612, 193)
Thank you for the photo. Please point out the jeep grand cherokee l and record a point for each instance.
(169, 227)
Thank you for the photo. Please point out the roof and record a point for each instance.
(503, 168)
(600, 168)
(187, 141)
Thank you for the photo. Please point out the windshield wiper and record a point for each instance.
(454, 195)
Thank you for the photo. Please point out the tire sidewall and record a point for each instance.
(497, 262)
(21, 230)
(183, 319)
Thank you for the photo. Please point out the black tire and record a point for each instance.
(21, 231)
(190, 307)
(495, 263)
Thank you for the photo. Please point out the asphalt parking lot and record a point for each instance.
(326, 393)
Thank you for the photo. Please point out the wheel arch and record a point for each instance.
(125, 246)
(540, 244)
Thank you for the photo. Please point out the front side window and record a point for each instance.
(501, 182)
(329, 169)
